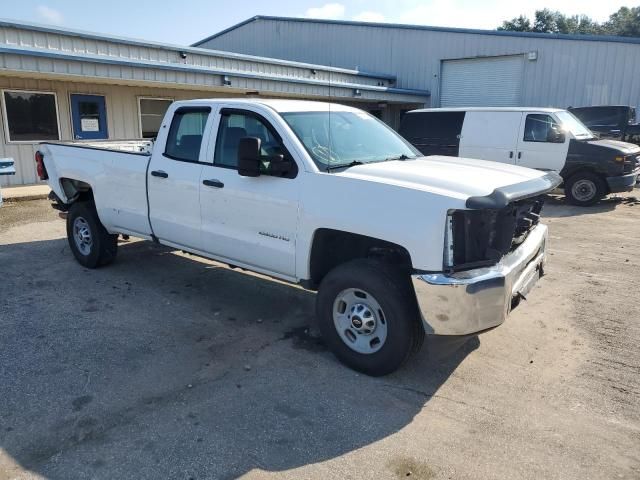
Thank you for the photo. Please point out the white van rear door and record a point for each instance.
(539, 145)
(490, 135)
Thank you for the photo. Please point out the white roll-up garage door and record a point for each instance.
(482, 82)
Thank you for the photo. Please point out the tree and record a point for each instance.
(624, 22)
(546, 21)
(519, 24)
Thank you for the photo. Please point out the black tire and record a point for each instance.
(103, 246)
(585, 189)
(392, 291)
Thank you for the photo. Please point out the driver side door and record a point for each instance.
(248, 221)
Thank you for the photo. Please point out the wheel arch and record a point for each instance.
(76, 190)
(331, 247)
(570, 171)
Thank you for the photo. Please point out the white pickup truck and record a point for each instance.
(327, 197)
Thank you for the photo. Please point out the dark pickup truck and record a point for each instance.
(610, 121)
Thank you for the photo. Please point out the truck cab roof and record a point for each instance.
(280, 106)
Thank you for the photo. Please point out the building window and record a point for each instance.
(152, 112)
(31, 116)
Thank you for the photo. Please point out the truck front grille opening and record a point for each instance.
(483, 237)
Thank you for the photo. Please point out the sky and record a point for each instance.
(184, 22)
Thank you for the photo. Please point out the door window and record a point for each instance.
(185, 135)
(233, 127)
(541, 128)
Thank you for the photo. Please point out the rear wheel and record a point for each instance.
(368, 316)
(585, 189)
(89, 241)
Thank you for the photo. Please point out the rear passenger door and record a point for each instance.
(491, 135)
(539, 144)
(174, 179)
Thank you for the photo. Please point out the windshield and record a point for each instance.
(570, 123)
(341, 138)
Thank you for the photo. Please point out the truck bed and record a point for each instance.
(116, 174)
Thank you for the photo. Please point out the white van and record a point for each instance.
(540, 138)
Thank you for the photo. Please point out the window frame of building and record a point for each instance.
(143, 97)
(7, 130)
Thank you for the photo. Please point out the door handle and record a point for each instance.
(159, 173)
(519, 155)
(510, 154)
(213, 183)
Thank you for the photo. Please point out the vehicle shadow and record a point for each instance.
(556, 207)
(165, 366)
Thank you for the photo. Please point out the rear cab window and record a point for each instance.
(184, 140)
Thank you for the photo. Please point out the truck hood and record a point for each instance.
(617, 146)
(460, 178)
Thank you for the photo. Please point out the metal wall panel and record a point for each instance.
(567, 72)
(70, 43)
(482, 82)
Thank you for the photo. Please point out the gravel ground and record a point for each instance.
(167, 366)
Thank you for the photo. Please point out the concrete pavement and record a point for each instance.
(164, 365)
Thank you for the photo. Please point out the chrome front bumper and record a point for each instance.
(469, 302)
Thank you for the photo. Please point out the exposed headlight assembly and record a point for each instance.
(480, 238)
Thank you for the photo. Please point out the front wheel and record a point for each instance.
(89, 241)
(368, 316)
(585, 189)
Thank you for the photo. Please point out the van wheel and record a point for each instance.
(585, 189)
(89, 241)
(368, 315)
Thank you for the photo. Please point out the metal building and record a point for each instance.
(460, 67)
(57, 84)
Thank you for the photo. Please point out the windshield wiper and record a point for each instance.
(358, 162)
(399, 157)
(344, 165)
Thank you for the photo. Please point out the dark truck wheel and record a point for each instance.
(368, 316)
(89, 241)
(585, 189)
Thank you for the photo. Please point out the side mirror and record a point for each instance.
(556, 136)
(249, 157)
